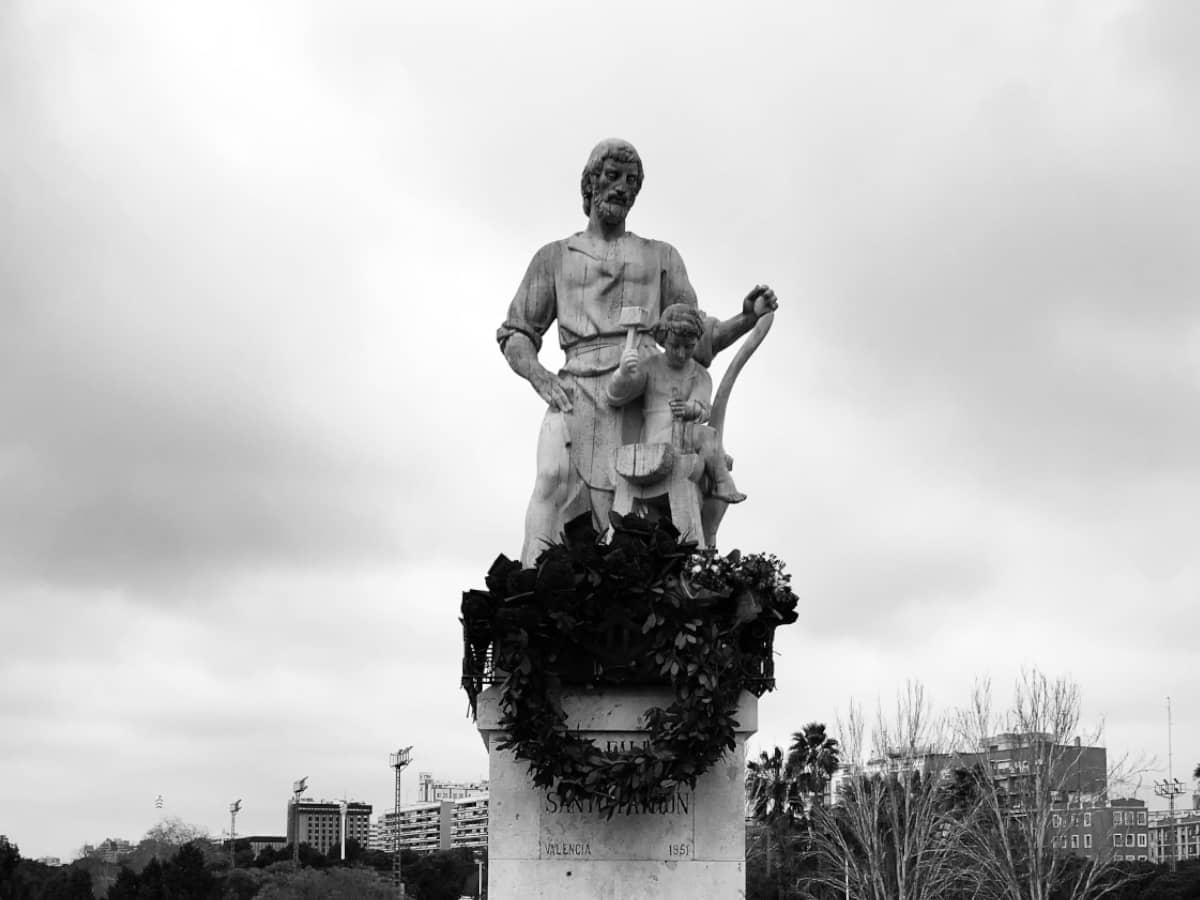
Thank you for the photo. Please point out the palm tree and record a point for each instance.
(771, 801)
(811, 761)
(769, 789)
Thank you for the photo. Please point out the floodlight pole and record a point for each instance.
(1170, 788)
(398, 761)
(298, 788)
(233, 811)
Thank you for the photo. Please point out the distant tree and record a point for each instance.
(811, 762)
(27, 879)
(101, 870)
(241, 884)
(354, 852)
(66, 883)
(383, 860)
(772, 801)
(162, 841)
(1018, 838)
(243, 854)
(186, 875)
(270, 855)
(1163, 884)
(331, 884)
(891, 834)
(439, 875)
(770, 793)
(1196, 772)
(310, 857)
(10, 859)
(150, 882)
(126, 885)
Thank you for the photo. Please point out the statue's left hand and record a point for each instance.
(688, 410)
(760, 301)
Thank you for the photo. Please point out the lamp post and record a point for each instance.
(398, 761)
(479, 863)
(342, 807)
(233, 811)
(298, 788)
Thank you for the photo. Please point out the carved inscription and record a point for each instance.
(678, 804)
(583, 829)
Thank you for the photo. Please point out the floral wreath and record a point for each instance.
(643, 607)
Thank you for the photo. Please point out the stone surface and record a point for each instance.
(692, 846)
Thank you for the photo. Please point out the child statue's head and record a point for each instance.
(678, 330)
(680, 319)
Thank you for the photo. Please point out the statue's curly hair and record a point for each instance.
(609, 148)
(681, 319)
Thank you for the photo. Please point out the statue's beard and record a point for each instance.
(611, 212)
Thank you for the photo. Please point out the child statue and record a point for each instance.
(677, 395)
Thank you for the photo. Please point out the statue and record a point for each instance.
(606, 287)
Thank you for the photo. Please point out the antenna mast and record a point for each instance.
(1170, 787)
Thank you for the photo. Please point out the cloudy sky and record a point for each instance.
(256, 436)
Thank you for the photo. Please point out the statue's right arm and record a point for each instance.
(628, 381)
(532, 310)
(522, 359)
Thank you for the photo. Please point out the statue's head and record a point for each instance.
(678, 330)
(612, 178)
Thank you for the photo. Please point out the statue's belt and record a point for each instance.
(593, 356)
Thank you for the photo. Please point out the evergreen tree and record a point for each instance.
(10, 859)
(150, 884)
(186, 877)
(126, 885)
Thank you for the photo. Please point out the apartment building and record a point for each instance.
(1070, 779)
(318, 823)
(436, 825)
(1181, 830)
(1117, 829)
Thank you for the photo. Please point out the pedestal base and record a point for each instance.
(693, 845)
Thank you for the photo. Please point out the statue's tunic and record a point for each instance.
(583, 283)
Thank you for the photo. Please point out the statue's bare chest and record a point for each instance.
(626, 272)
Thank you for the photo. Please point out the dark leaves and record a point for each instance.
(626, 610)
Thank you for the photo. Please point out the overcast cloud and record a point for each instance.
(256, 438)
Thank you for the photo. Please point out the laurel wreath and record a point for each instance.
(643, 608)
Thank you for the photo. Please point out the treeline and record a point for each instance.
(928, 809)
(201, 870)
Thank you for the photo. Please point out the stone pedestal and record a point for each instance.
(692, 846)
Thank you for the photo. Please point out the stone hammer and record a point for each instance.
(632, 318)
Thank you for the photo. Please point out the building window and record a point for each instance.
(1141, 840)
(1087, 842)
(1141, 818)
(1117, 842)
(1074, 842)
(1057, 820)
(1087, 820)
(1129, 840)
